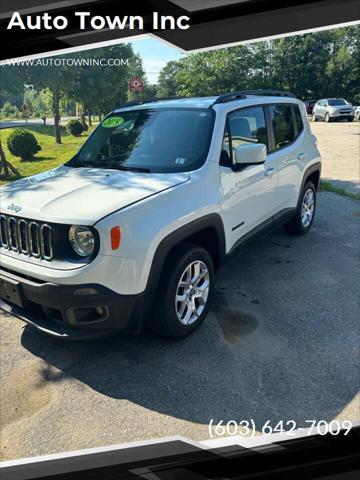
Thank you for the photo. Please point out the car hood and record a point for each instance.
(81, 195)
(342, 107)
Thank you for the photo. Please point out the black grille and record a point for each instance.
(26, 237)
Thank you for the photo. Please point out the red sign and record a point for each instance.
(136, 85)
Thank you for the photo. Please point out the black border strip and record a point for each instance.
(305, 457)
(214, 28)
(210, 27)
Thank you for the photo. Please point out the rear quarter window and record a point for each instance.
(298, 119)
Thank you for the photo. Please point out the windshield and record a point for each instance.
(149, 140)
(337, 101)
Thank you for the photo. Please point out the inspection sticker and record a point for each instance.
(180, 161)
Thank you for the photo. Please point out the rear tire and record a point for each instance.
(314, 119)
(185, 289)
(305, 213)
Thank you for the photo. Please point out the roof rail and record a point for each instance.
(230, 97)
(133, 103)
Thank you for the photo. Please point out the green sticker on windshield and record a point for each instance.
(112, 122)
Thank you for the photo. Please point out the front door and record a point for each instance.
(249, 195)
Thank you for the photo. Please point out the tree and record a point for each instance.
(59, 82)
(314, 65)
(42, 104)
(100, 88)
(28, 103)
(215, 72)
(167, 85)
(13, 79)
(9, 111)
(5, 166)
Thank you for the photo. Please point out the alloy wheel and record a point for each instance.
(192, 292)
(308, 208)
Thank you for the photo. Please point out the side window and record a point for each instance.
(283, 125)
(298, 119)
(246, 126)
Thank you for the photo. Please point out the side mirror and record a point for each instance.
(253, 154)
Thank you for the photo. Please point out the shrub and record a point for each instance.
(74, 127)
(9, 111)
(23, 144)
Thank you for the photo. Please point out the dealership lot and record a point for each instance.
(339, 144)
(281, 343)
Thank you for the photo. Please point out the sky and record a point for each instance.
(155, 54)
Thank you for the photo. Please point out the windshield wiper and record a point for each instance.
(117, 167)
(76, 162)
(132, 169)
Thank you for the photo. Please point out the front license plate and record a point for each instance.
(10, 291)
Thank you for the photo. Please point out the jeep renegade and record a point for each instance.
(131, 231)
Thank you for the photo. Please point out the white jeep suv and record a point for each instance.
(129, 233)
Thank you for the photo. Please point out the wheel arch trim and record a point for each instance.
(213, 221)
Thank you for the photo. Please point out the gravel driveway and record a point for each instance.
(281, 343)
(339, 144)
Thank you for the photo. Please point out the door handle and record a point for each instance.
(269, 172)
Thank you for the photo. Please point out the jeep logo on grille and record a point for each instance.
(14, 208)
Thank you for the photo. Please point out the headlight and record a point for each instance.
(82, 240)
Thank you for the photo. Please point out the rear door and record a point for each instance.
(318, 109)
(324, 108)
(286, 151)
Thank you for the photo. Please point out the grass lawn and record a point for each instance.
(329, 187)
(51, 155)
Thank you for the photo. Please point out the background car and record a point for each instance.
(357, 112)
(331, 109)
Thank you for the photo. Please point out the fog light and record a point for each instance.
(87, 315)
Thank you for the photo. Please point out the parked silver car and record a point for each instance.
(333, 109)
(357, 112)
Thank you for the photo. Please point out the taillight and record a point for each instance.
(115, 237)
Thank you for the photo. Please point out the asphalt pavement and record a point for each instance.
(280, 343)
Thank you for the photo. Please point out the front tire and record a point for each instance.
(327, 118)
(185, 288)
(314, 119)
(305, 213)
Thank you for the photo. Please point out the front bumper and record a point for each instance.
(69, 311)
(340, 116)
